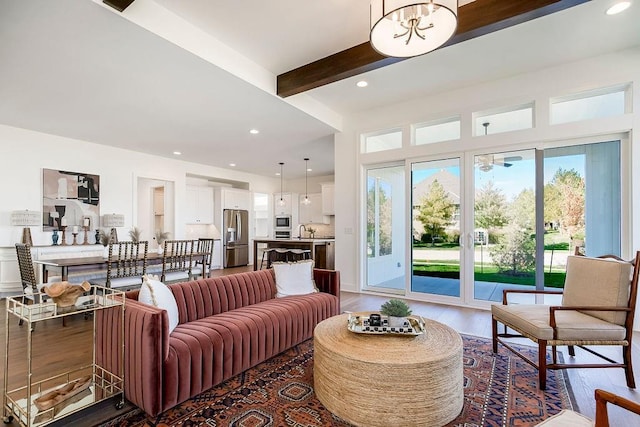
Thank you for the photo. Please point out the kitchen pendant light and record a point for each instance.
(281, 202)
(306, 200)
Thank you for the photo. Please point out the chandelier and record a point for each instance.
(403, 28)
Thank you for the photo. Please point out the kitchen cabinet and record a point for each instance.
(235, 198)
(328, 204)
(312, 213)
(199, 205)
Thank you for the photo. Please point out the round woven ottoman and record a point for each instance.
(374, 380)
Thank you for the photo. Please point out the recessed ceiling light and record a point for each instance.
(618, 7)
(254, 131)
(232, 165)
(362, 83)
(277, 173)
(309, 169)
(177, 153)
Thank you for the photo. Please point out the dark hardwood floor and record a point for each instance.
(55, 348)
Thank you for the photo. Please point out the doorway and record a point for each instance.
(156, 209)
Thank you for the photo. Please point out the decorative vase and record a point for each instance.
(54, 237)
(396, 322)
(97, 237)
(160, 250)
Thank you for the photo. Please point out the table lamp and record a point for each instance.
(25, 219)
(112, 221)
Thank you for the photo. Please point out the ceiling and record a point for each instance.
(78, 69)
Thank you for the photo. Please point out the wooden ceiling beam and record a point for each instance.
(118, 5)
(474, 20)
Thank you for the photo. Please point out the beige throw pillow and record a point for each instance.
(295, 278)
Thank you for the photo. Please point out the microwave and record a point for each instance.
(283, 222)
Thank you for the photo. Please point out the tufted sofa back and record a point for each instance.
(202, 298)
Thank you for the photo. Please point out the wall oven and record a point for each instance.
(283, 234)
(283, 222)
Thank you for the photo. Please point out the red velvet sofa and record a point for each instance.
(226, 325)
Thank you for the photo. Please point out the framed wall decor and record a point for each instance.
(69, 199)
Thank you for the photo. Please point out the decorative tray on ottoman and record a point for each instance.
(376, 324)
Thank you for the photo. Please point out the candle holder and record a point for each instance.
(86, 235)
(63, 228)
(75, 238)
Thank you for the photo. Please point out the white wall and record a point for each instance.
(538, 86)
(24, 153)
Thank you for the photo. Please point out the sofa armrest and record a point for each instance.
(327, 281)
(146, 346)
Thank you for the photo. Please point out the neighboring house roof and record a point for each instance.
(449, 181)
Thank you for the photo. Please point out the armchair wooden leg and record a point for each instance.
(542, 364)
(572, 350)
(494, 334)
(628, 368)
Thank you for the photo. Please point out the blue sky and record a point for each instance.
(511, 180)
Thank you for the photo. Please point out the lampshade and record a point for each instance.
(402, 28)
(25, 218)
(113, 220)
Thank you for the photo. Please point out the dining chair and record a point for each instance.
(126, 264)
(177, 260)
(597, 309)
(203, 256)
(27, 273)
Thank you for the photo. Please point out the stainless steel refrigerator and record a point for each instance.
(236, 237)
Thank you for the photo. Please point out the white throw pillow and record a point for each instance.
(295, 278)
(154, 292)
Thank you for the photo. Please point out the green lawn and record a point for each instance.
(488, 273)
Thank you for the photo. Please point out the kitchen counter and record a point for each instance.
(321, 249)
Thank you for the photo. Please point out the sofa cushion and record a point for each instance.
(294, 278)
(533, 320)
(156, 293)
(207, 351)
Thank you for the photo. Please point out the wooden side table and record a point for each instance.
(389, 380)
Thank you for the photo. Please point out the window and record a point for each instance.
(382, 142)
(437, 131)
(504, 120)
(595, 104)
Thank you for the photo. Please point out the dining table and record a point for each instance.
(67, 265)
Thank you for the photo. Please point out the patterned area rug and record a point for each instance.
(498, 391)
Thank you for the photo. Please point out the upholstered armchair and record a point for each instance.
(598, 305)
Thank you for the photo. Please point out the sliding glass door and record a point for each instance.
(524, 213)
(435, 203)
(504, 223)
(386, 229)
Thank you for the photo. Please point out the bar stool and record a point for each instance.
(298, 254)
(274, 255)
